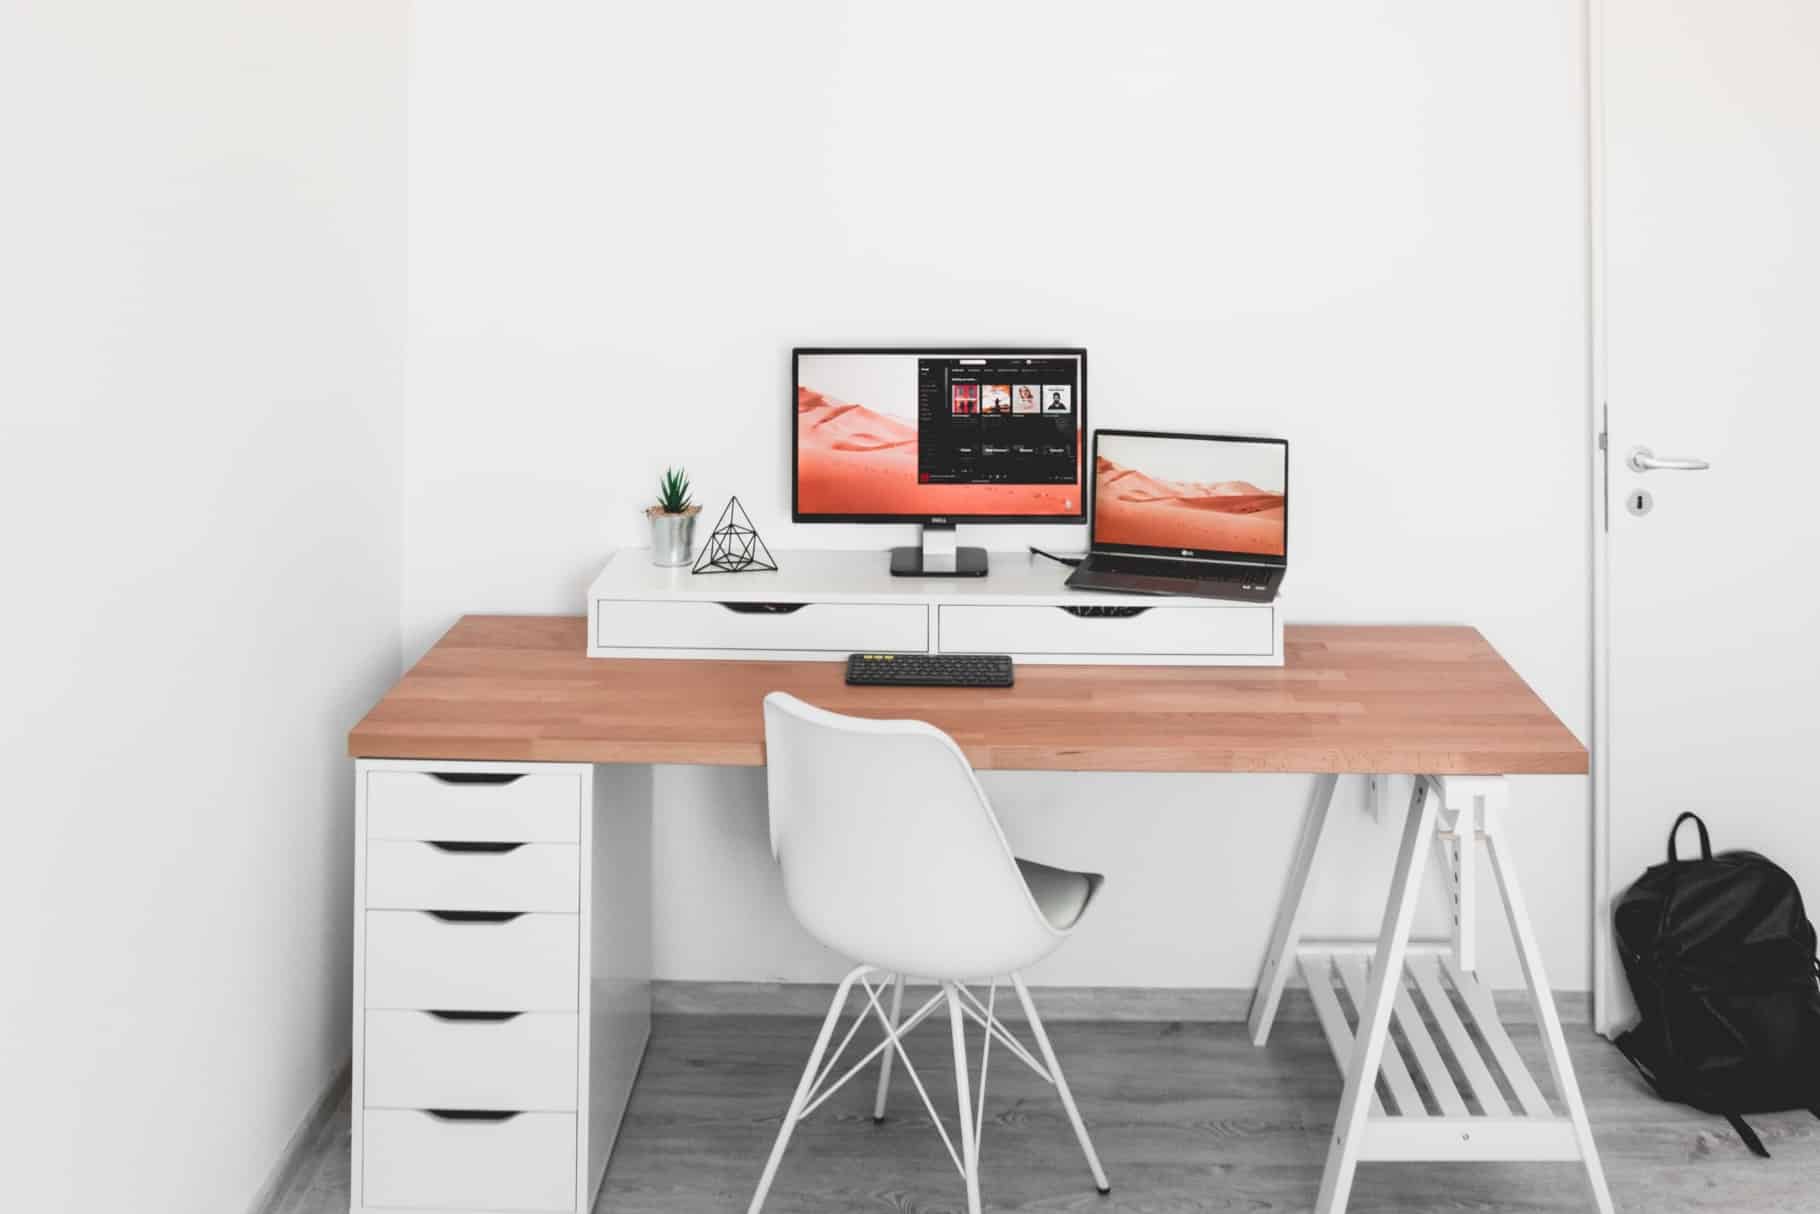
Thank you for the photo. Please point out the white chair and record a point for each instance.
(891, 856)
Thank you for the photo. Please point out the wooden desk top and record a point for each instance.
(1439, 701)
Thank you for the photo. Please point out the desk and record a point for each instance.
(1435, 703)
(1348, 699)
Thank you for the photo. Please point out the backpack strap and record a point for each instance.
(1748, 1135)
(1627, 1045)
(1706, 840)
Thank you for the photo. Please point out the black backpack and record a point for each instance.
(1720, 957)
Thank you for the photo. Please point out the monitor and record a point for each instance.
(1191, 495)
(939, 436)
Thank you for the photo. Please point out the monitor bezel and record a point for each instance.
(1086, 439)
(1199, 554)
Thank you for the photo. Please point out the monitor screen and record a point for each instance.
(1191, 495)
(950, 435)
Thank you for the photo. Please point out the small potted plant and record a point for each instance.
(672, 520)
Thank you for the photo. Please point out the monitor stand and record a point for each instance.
(938, 556)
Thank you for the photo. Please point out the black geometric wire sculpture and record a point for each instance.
(734, 547)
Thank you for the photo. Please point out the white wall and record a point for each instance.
(200, 430)
(1359, 225)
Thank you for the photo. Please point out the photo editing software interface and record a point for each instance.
(980, 420)
(947, 433)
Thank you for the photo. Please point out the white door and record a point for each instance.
(1709, 249)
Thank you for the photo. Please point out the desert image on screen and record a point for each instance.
(1173, 493)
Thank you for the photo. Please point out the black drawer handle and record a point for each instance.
(475, 916)
(462, 845)
(765, 608)
(478, 1017)
(1101, 611)
(472, 1114)
(476, 777)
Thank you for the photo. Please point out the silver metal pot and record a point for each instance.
(672, 538)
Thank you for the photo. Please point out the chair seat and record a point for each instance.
(1062, 895)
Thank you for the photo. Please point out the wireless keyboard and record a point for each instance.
(928, 670)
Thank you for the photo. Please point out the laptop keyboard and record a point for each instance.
(1164, 570)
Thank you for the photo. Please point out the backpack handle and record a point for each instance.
(1706, 842)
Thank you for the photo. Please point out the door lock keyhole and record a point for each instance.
(1640, 502)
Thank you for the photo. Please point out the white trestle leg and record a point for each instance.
(1374, 1016)
(1554, 1042)
(1442, 1098)
(1286, 935)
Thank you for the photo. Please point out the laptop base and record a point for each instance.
(1239, 590)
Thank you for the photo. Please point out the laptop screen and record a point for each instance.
(1191, 495)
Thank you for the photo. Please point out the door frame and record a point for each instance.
(1604, 958)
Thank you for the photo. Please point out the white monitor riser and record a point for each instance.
(823, 605)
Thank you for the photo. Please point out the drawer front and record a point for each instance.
(474, 807)
(420, 1060)
(456, 875)
(808, 628)
(411, 1158)
(1157, 631)
(419, 961)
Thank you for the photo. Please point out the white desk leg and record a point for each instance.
(1374, 1018)
(1466, 884)
(1287, 934)
(1547, 1018)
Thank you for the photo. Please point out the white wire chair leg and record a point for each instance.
(884, 1063)
(970, 1154)
(1061, 1085)
(810, 1070)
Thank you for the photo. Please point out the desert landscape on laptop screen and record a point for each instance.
(1135, 507)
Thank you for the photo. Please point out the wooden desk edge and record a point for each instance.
(381, 739)
(730, 754)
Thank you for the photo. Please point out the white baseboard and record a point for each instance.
(302, 1146)
(1217, 1005)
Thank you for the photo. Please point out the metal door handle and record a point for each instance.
(1642, 459)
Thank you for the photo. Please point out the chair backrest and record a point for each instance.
(890, 851)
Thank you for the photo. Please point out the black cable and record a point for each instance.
(1060, 560)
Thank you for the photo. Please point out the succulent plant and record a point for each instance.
(673, 491)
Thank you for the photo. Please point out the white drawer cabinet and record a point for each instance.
(1160, 633)
(471, 1060)
(501, 982)
(470, 961)
(450, 803)
(455, 875)
(821, 606)
(708, 627)
(415, 1159)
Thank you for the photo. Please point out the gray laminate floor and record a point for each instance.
(1187, 1117)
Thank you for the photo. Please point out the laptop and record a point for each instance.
(1196, 514)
